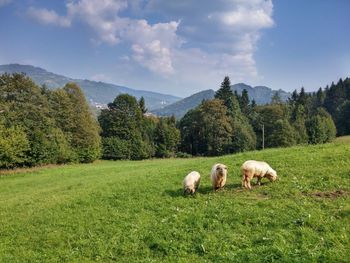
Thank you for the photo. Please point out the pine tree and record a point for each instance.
(142, 105)
(244, 103)
(225, 92)
(276, 98)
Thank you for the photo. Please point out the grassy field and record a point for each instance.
(135, 211)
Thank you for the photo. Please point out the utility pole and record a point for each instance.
(263, 137)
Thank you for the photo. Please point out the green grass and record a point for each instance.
(135, 211)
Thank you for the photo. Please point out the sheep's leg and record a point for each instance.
(248, 184)
(258, 181)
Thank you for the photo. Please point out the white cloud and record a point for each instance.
(151, 45)
(213, 39)
(45, 16)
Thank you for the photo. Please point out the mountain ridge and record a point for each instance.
(90, 88)
(261, 95)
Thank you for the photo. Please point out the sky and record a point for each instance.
(184, 46)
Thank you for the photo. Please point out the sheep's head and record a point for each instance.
(221, 169)
(271, 175)
(189, 191)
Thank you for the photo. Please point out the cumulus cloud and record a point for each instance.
(213, 38)
(151, 44)
(45, 16)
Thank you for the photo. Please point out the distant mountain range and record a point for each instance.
(101, 93)
(260, 94)
(179, 108)
(98, 93)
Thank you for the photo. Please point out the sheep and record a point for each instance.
(257, 169)
(218, 176)
(191, 182)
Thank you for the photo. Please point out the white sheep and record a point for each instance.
(218, 176)
(191, 182)
(251, 169)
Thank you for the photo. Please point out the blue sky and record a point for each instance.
(184, 46)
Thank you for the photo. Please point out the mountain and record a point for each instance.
(260, 94)
(97, 93)
(180, 107)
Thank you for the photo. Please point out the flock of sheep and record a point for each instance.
(250, 169)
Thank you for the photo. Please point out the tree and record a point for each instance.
(343, 120)
(13, 146)
(283, 134)
(142, 105)
(225, 92)
(84, 129)
(243, 138)
(244, 103)
(276, 98)
(26, 105)
(268, 115)
(167, 137)
(206, 130)
(297, 119)
(320, 127)
(124, 120)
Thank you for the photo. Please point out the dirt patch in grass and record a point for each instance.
(4, 172)
(329, 194)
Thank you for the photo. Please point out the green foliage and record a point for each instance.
(244, 138)
(13, 146)
(207, 129)
(276, 98)
(128, 134)
(142, 105)
(343, 120)
(167, 138)
(85, 138)
(57, 124)
(244, 102)
(115, 148)
(283, 135)
(320, 127)
(225, 92)
(135, 211)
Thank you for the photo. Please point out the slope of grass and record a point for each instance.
(135, 211)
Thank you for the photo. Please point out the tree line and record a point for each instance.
(41, 126)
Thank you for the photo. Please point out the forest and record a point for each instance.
(41, 126)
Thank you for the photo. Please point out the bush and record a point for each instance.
(115, 149)
(244, 138)
(283, 135)
(13, 146)
(320, 127)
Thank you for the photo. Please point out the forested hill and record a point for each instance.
(179, 108)
(96, 92)
(261, 95)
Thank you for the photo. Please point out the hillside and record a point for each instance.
(135, 211)
(260, 94)
(179, 108)
(96, 92)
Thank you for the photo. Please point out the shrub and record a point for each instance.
(13, 146)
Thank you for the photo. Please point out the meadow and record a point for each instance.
(135, 211)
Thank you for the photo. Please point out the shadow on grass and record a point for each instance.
(203, 190)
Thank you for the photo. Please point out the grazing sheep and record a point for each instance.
(257, 169)
(218, 176)
(191, 182)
